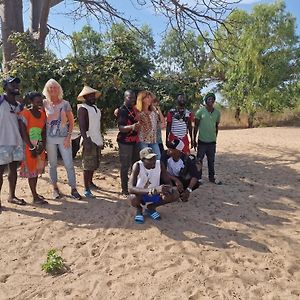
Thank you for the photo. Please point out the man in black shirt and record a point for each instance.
(127, 137)
(181, 169)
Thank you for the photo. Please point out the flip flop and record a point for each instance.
(154, 215)
(41, 201)
(139, 219)
(17, 201)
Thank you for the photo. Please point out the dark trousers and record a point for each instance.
(208, 149)
(128, 154)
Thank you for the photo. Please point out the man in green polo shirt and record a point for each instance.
(207, 120)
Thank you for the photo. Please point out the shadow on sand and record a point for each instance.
(250, 198)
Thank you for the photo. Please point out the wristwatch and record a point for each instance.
(189, 190)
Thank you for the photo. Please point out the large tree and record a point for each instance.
(260, 68)
(198, 15)
(11, 13)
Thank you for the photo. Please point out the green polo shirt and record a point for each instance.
(207, 124)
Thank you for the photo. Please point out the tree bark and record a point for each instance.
(39, 18)
(11, 13)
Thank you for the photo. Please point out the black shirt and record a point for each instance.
(127, 116)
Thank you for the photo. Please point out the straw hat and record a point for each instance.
(86, 91)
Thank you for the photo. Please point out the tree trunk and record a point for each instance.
(251, 119)
(39, 18)
(11, 13)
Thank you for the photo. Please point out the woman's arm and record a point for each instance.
(70, 117)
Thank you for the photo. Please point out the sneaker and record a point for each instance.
(88, 194)
(75, 194)
(56, 194)
(217, 182)
(94, 187)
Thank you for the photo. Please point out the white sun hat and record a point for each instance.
(86, 91)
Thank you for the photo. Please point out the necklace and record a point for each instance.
(130, 113)
(180, 115)
(12, 109)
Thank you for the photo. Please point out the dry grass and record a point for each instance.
(262, 119)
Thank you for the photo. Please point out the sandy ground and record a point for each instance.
(240, 240)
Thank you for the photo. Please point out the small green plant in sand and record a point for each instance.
(54, 264)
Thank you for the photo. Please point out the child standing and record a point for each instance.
(33, 130)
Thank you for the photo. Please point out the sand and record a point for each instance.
(240, 240)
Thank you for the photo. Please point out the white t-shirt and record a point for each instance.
(174, 167)
(9, 127)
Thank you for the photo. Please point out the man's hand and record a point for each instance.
(195, 145)
(164, 189)
(135, 126)
(185, 196)
(179, 185)
(87, 144)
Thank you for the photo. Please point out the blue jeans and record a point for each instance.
(154, 147)
(66, 154)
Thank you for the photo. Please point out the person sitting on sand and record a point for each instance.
(89, 118)
(181, 169)
(33, 130)
(145, 188)
(11, 144)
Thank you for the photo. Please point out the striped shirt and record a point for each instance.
(179, 121)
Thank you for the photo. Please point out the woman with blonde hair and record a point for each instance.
(60, 124)
(149, 121)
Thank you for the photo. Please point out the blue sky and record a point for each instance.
(142, 16)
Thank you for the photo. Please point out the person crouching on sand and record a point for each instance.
(145, 188)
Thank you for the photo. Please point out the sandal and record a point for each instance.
(56, 194)
(75, 194)
(88, 194)
(139, 219)
(17, 201)
(40, 201)
(154, 215)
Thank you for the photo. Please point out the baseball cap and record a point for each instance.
(147, 153)
(176, 144)
(11, 79)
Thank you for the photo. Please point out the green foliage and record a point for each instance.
(125, 63)
(54, 263)
(87, 43)
(260, 59)
(181, 68)
(182, 53)
(33, 65)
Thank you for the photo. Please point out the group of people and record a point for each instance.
(161, 176)
(43, 128)
(33, 133)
